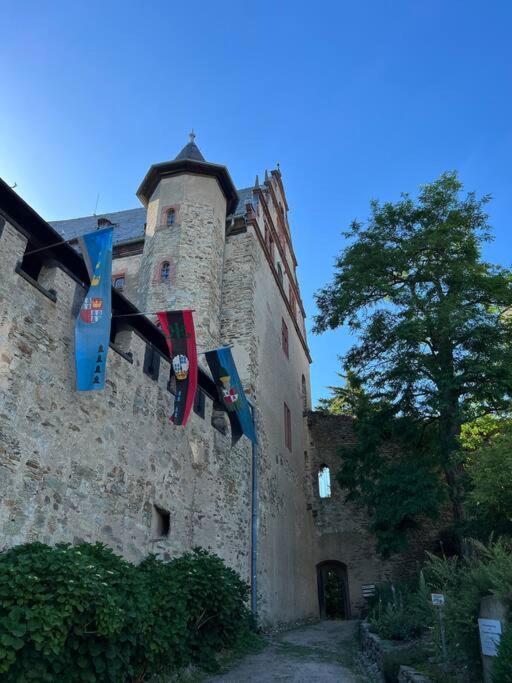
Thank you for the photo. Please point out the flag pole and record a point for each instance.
(254, 516)
(48, 246)
(130, 315)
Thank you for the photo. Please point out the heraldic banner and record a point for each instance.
(178, 329)
(231, 393)
(92, 327)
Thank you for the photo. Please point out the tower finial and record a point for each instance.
(192, 135)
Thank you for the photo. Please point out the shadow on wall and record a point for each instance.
(332, 578)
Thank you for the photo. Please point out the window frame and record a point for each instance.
(287, 427)
(285, 344)
(324, 482)
(171, 214)
(161, 268)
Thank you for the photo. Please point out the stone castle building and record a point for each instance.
(107, 465)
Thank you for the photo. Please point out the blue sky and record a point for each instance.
(356, 100)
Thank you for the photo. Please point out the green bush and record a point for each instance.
(486, 570)
(502, 666)
(401, 611)
(81, 613)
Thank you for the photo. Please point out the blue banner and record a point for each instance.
(92, 327)
(231, 393)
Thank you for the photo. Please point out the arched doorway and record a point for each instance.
(333, 590)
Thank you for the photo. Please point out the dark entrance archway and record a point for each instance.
(333, 596)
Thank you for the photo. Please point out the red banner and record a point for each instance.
(178, 329)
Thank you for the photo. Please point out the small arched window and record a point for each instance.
(324, 482)
(119, 282)
(165, 270)
(171, 215)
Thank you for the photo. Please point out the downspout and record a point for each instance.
(254, 520)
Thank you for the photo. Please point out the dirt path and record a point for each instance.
(312, 654)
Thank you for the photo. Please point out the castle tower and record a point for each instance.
(187, 201)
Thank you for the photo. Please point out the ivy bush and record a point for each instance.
(82, 613)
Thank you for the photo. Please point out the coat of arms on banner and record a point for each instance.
(180, 366)
(229, 394)
(92, 309)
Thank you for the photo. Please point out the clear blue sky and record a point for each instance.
(356, 100)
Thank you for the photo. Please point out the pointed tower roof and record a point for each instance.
(191, 161)
(191, 150)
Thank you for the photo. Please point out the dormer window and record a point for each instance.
(165, 270)
(171, 215)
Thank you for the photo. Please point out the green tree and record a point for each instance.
(343, 399)
(434, 342)
(490, 473)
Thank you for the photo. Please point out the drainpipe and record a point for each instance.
(254, 520)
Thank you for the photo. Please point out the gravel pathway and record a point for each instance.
(311, 654)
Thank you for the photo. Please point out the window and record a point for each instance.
(324, 482)
(199, 403)
(37, 270)
(292, 300)
(119, 282)
(151, 362)
(271, 246)
(284, 336)
(304, 394)
(161, 522)
(165, 270)
(102, 222)
(171, 215)
(31, 264)
(287, 428)
(171, 383)
(280, 273)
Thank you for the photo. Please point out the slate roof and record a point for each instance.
(190, 151)
(128, 225)
(244, 196)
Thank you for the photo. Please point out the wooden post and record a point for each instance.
(492, 622)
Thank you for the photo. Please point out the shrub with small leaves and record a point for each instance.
(502, 665)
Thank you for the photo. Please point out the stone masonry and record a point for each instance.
(108, 466)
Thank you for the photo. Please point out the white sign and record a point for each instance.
(368, 590)
(437, 598)
(490, 636)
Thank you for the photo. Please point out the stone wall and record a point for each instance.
(252, 314)
(129, 267)
(194, 247)
(374, 650)
(93, 465)
(343, 528)
(98, 466)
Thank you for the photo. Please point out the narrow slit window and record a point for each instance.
(280, 273)
(199, 403)
(151, 366)
(287, 428)
(171, 215)
(161, 522)
(284, 337)
(324, 482)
